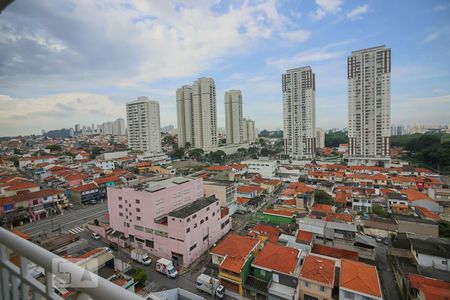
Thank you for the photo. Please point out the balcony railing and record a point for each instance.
(16, 282)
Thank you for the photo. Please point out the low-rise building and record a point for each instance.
(276, 268)
(359, 281)
(433, 253)
(224, 190)
(85, 194)
(234, 256)
(169, 218)
(266, 168)
(316, 280)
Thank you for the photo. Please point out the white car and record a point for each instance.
(95, 236)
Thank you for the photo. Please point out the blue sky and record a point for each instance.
(67, 62)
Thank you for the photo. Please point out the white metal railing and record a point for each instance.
(17, 283)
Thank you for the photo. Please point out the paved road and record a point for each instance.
(388, 282)
(67, 221)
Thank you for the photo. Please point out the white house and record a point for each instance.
(266, 168)
(105, 164)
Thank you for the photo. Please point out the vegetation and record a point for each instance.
(265, 152)
(54, 147)
(140, 276)
(322, 197)
(444, 229)
(380, 211)
(178, 153)
(196, 153)
(217, 156)
(333, 139)
(271, 134)
(432, 149)
(96, 151)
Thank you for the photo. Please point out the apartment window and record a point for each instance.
(125, 224)
(213, 214)
(150, 244)
(307, 284)
(205, 237)
(192, 247)
(322, 288)
(120, 198)
(194, 216)
(201, 221)
(195, 225)
(138, 218)
(138, 201)
(120, 205)
(138, 209)
(188, 219)
(188, 230)
(206, 219)
(262, 272)
(120, 214)
(444, 262)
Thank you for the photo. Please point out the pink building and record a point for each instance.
(169, 218)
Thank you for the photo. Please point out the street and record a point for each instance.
(388, 282)
(69, 219)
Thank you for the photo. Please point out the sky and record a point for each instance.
(68, 62)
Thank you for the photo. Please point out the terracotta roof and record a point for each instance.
(279, 212)
(341, 197)
(22, 186)
(143, 164)
(75, 177)
(35, 195)
(304, 236)
(235, 248)
(247, 189)
(120, 281)
(403, 179)
(342, 217)
(430, 287)
(266, 229)
(318, 269)
(218, 168)
(290, 202)
(322, 207)
(360, 277)
(278, 258)
(242, 200)
(335, 252)
(107, 179)
(425, 212)
(414, 195)
(21, 234)
(85, 187)
(238, 166)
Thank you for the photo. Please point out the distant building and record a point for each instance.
(299, 114)
(248, 130)
(196, 114)
(369, 105)
(119, 127)
(233, 117)
(144, 129)
(320, 138)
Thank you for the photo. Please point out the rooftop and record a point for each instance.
(278, 258)
(432, 246)
(191, 208)
(318, 269)
(235, 248)
(334, 252)
(360, 277)
(155, 186)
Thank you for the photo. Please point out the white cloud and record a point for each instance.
(356, 13)
(441, 7)
(297, 36)
(431, 37)
(325, 7)
(304, 58)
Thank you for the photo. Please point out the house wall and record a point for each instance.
(431, 205)
(431, 261)
(314, 290)
(355, 296)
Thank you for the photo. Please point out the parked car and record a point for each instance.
(166, 267)
(386, 242)
(379, 239)
(95, 236)
(113, 247)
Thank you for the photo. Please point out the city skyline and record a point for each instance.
(45, 78)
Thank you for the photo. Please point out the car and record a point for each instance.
(379, 239)
(113, 247)
(95, 236)
(386, 242)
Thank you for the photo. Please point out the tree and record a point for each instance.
(262, 142)
(265, 152)
(322, 197)
(333, 139)
(178, 153)
(217, 156)
(53, 147)
(187, 146)
(96, 151)
(242, 151)
(380, 211)
(196, 153)
(140, 276)
(444, 229)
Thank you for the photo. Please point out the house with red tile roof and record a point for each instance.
(248, 191)
(342, 198)
(418, 199)
(334, 252)
(85, 194)
(234, 256)
(316, 280)
(426, 214)
(304, 237)
(18, 186)
(359, 280)
(269, 232)
(322, 208)
(428, 288)
(277, 267)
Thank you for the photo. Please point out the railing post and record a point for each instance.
(4, 273)
(49, 291)
(24, 273)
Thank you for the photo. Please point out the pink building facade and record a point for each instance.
(169, 218)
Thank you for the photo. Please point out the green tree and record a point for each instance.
(265, 152)
(53, 147)
(333, 139)
(140, 276)
(178, 153)
(444, 229)
(187, 146)
(262, 142)
(96, 151)
(217, 156)
(196, 153)
(322, 197)
(380, 211)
